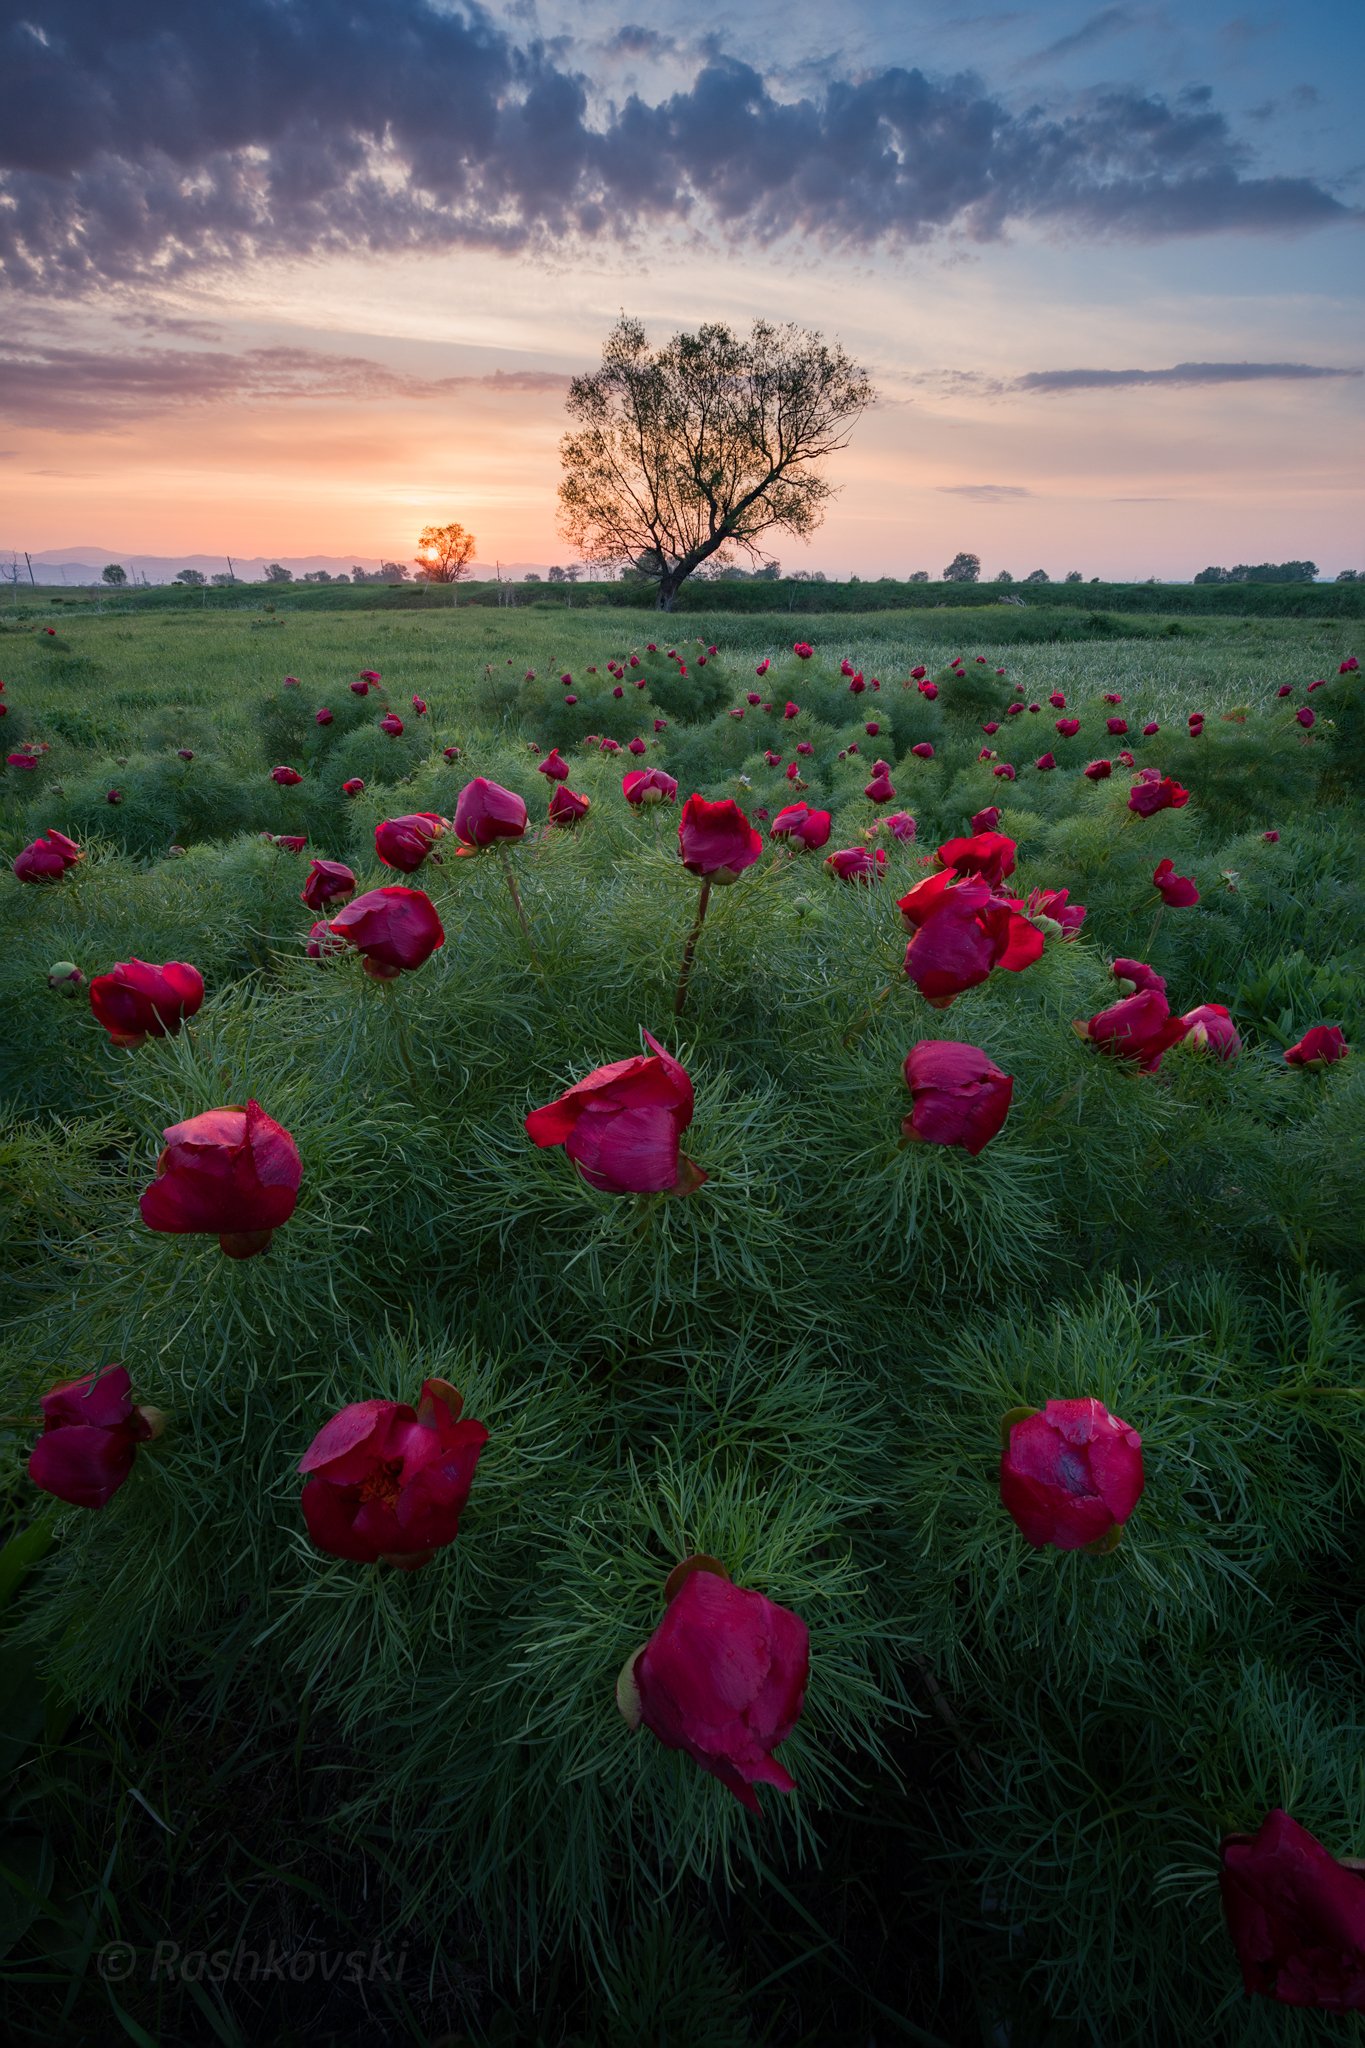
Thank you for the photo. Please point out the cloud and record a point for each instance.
(78, 388)
(1178, 374)
(1112, 21)
(140, 142)
(986, 494)
(631, 40)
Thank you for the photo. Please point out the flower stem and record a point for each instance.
(864, 1018)
(685, 971)
(521, 913)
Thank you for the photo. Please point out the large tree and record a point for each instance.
(444, 553)
(693, 451)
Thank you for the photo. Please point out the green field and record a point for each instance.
(1014, 1767)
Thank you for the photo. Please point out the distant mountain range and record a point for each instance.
(85, 564)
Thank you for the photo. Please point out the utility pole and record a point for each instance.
(231, 571)
(31, 577)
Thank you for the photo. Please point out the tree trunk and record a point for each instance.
(669, 584)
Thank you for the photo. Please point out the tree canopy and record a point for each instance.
(963, 568)
(692, 451)
(444, 553)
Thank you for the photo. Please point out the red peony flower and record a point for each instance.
(1068, 727)
(1211, 1026)
(419, 705)
(1139, 974)
(1053, 903)
(135, 1001)
(322, 717)
(802, 650)
(393, 929)
(716, 839)
(323, 943)
(648, 786)
(724, 1678)
(989, 854)
(1140, 1027)
(1098, 771)
(553, 767)
(857, 864)
(802, 826)
(47, 859)
(1306, 716)
(1117, 726)
(1177, 891)
(566, 808)
(622, 1125)
(960, 1096)
(1159, 794)
(404, 843)
(987, 820)
(962, 932)
(486, 812)
(91, 1431)
(880, 789)
(1071, 1475)
(286, 777)
(1322, 1046)
(899, 824)
(1045, 762)
(287, 842)
(923, 751)
(1005, 773)
(387, 1483)
(329, 881)
(1296, 1917)
(1057, 701)
(791, 710)
(231, 1173)
(392, 724)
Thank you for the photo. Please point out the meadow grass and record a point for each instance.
(1013, 1767)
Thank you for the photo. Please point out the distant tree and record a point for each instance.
(1074, 576)
(114, 573)
(1350, 576)
(1037, 576)
(693, 451)
(532, 576)
(392, 572)
(771, 572)
(918, 576)
(558, 575)
(277, 573)
(962, 569)
(1273, 572)
(341, 577)
(193, 579)
(222, 581)
(1003, 576)
(444, 553)
(807, 576)
(317, 576)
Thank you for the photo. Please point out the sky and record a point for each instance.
(297, 277)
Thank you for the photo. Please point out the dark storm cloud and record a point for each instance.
(1179, 373)
(77, 388)
(141, 140)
